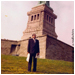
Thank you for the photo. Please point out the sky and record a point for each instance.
(14, 19)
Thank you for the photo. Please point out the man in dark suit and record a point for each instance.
(33, 49)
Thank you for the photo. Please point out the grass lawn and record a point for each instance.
(18, 65)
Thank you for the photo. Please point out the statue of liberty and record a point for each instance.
(44, 2)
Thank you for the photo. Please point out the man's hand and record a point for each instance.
(37, 54)
(27, 52)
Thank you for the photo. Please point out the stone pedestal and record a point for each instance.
(50, 48)
(41, 21)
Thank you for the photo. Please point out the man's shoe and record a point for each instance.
(34, 71)
(29, 71)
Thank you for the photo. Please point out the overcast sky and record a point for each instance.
(14, 19)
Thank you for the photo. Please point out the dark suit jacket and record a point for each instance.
(33, 47)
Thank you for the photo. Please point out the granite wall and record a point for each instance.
(8, 46)
(50, 48)
(58, 50)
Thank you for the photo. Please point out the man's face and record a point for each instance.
(34, 36)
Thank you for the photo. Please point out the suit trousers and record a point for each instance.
(32, 56)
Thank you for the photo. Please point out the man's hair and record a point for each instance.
(33, 34)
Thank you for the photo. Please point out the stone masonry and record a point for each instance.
(6, 46)
(50, 48)
(41, 22)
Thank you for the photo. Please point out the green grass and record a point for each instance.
(18, 65)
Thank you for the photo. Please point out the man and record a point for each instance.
(33, 49)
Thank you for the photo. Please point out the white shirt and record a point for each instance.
(34, 40)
